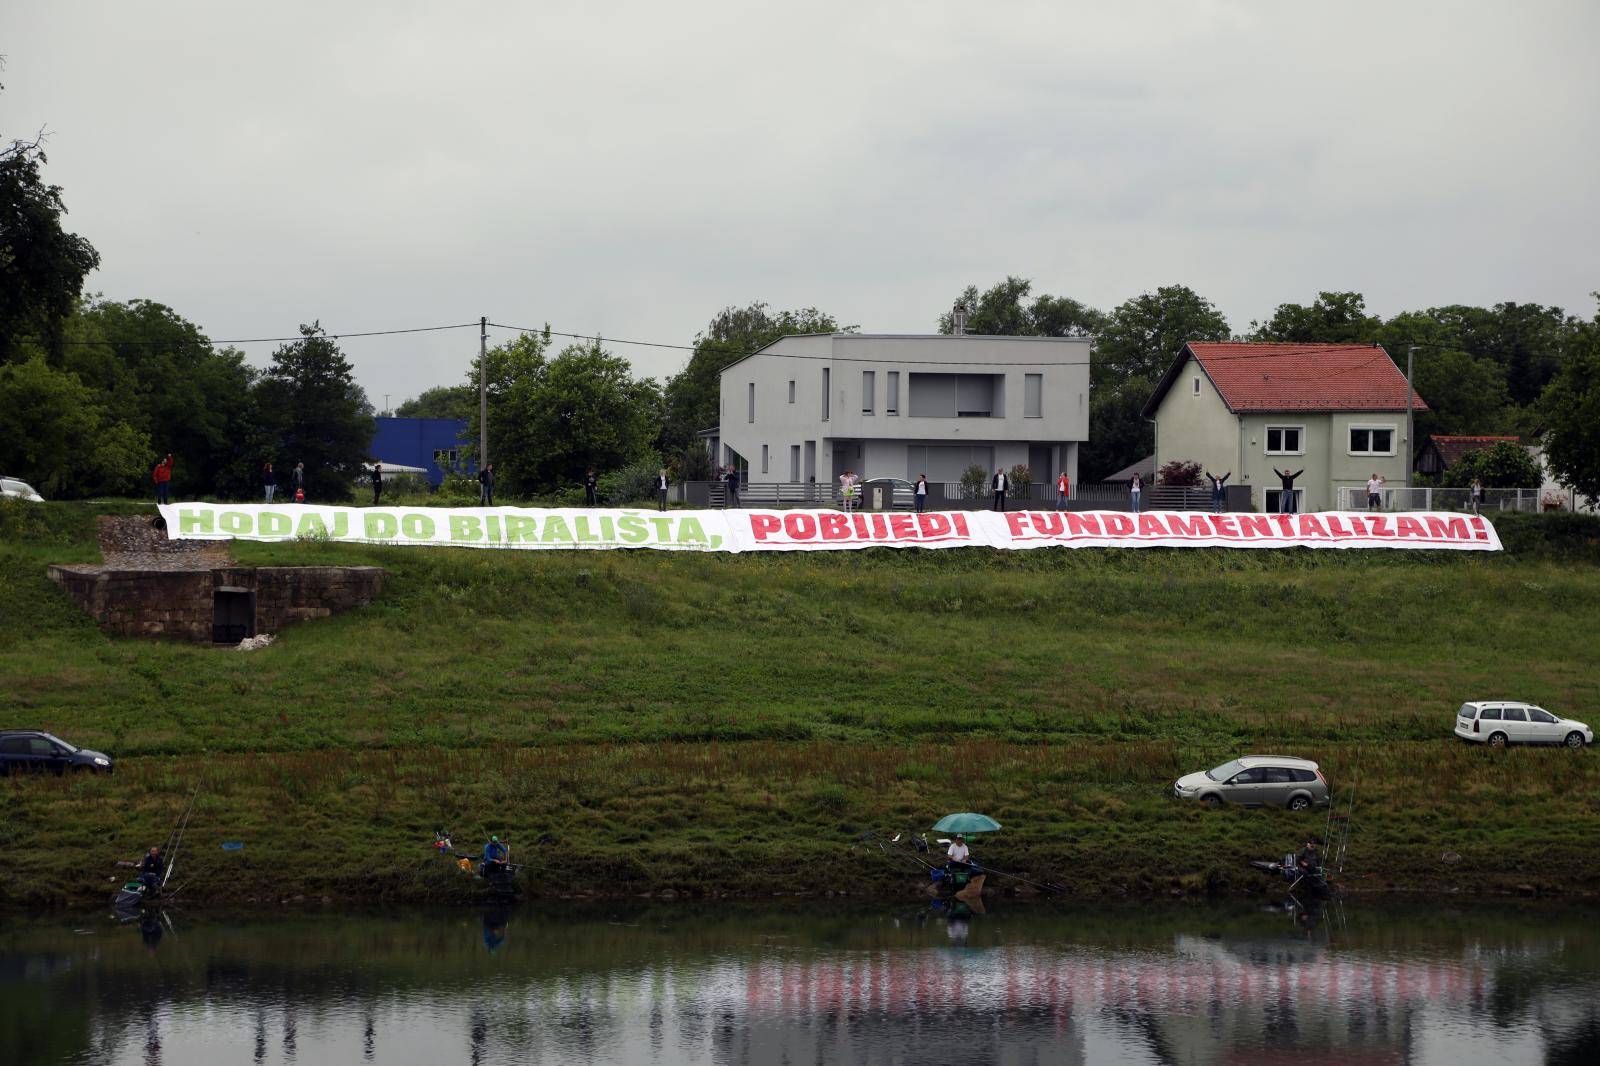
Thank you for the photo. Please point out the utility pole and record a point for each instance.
(483, 392)
(386, 405)
(1410, 425)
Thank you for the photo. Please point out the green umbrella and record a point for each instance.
(966, 824)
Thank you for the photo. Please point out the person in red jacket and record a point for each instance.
(163, 478)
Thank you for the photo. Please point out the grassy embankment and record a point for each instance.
(727, 725)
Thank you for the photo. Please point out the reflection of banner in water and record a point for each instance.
(741, 531)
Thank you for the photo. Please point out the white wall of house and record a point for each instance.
(900, 405)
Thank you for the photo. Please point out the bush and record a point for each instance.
(1505, 466)
(634, 483)
(1021, 478)
(695, 464)
(1179, 472)
(974, 480)
(458, 488)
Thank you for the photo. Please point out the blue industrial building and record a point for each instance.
(433, 445)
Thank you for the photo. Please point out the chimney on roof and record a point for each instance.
(958, 318)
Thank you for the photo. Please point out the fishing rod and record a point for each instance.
(1046, 886)
(473, 856)
(1350, 808)
(175, 839)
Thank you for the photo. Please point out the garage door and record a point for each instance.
(945, 462)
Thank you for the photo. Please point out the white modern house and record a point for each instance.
(899, 405)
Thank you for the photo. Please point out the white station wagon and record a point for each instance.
(1501, 722)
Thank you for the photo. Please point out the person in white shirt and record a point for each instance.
(958, 849)
(921, 492)
(1374, 486)
(663, 479)
(1001, 485)
(847, 488)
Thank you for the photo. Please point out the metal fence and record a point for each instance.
(1354, 498)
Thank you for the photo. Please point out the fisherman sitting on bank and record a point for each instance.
(495, 855)
(150, 870)
(958, 851)
(1308, 860)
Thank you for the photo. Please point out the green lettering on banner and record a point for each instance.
(690, 531)
(237, 523)
(274, 524)
(582, 530)
(380, 526)
(341, 525)
(631, 529)
(555, 529)
(196, 521)
(465, 527)
(416, 526)
(663, 528)
(311, 525)
(521, 528)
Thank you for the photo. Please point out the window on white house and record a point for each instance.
(1371, 440)
(891, 402)
(752, 401)
(1285, 440)
(1033, 396)
(869, 382)
(825, 388)
(763, 458)
(791, 392)
(794, 462)
(1196, 384)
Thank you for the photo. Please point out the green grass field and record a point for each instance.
(728, 725)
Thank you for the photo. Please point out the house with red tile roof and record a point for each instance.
(1336, 413)
(1440, 452)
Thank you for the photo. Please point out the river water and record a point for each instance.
(1504, 982)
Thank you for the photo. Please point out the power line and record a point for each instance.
(265, 340)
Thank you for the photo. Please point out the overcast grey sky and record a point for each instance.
(631, 168)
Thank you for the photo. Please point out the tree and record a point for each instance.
(693, 395)
(1525, 340)
(1005, 311)
(1118, 433)
(1465, 394)
(1142, 336)
(312, 411)
(1334, 318)
(42, 266)
(550, 420)
(442, 401)
(1504, 466)
(1180, 472)
(1571, 409)
(62, 439)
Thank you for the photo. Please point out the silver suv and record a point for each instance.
(1258, 781)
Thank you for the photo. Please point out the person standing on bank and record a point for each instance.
(1286, 495)
(269, 481)
(1063, 490)
(297, 482)
(1475, 496)
(1000, 484)
(377, 480)
(163, 479)
(486, 486)
(1374, 487)
(1136, 490)
(1217, 493)
(731, 480)
(920, 493)
(662, 481)
(590, 484)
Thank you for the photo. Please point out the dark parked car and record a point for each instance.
(29, 749)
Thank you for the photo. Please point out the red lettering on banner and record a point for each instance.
(1118, 525)
(961, 525)
(763, 525)
(1336, 527)
(1479, 531)
(1255, 525)
(1378, 526)
(1078, 524)
(1223, 525)
(902, 527)
(880, 527)
(933, 525)
(1150, 526)
(799, 525)
(860, 522)
(834, 527)
(1047, 522)
(1448, 528)
(1311, 526)
(1017, 522)
(1406, 526)
(1191, 526)
(1285, 524)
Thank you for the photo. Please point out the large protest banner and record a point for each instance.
(754, 530)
